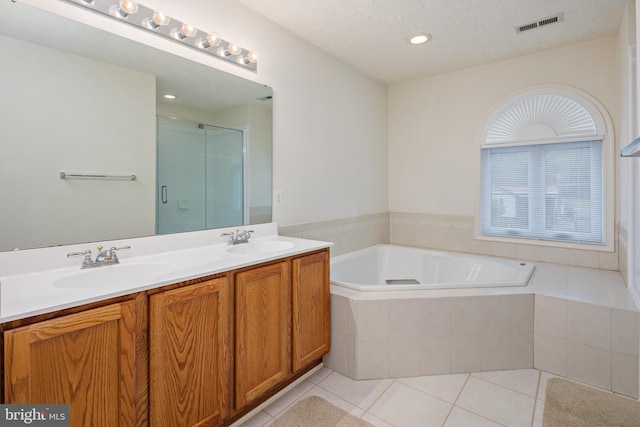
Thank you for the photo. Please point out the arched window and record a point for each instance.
(544, 172)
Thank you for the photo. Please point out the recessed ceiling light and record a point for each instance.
(169, 96)
(419, 38)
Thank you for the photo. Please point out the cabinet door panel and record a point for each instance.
(263, 330)
(86, 360)
(311, 309)
(190, 357)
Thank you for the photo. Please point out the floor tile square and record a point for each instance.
(462, 418)
(359, 393)
(403, 406)
(520, 380)
(497, 403)
(445, 387)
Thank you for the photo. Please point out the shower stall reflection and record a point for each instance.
(200, 176)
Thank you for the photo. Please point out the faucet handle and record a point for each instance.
(86, 253)
(114, 249)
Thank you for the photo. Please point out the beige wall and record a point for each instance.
(434, 122)
(434, 127)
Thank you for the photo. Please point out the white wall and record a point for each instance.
(434, 122)
(51, 90)
(330, 125)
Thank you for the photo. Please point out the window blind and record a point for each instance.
(551, 191)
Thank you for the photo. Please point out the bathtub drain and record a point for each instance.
(402, 282)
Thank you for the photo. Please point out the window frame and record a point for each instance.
(604, 133)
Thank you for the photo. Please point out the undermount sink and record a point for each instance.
(263, 247)
(113, 275)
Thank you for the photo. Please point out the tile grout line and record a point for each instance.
(453, 405)
(535, 402)
(504, 386)
(394, 380)
(356, 406)
(469, 374)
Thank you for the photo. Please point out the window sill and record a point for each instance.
(606, 247)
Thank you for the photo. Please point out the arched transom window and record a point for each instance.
(542, 164)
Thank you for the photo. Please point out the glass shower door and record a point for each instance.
(225, 177)
(181, 177)
(200, 177)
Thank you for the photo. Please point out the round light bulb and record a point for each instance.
(234, 49)
(159, 18)
(128, 6)
(252, 57)
(211, 39)
(188, 29)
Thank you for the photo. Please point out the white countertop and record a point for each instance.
(59, 283)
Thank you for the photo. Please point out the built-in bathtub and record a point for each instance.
(575, 322)
(391, 267)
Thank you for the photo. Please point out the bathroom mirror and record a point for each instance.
(87, 102)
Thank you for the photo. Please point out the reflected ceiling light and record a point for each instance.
(159, 23)
(124, 8)
(419, 38)
(169, 96)
(158, 19)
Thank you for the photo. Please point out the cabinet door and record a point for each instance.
(263, 330)
(190, 358)
(86, 360)
(311, 308)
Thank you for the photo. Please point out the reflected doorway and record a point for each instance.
(200, 171)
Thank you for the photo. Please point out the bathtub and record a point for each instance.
(390, 267)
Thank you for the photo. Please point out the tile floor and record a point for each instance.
(500, 398)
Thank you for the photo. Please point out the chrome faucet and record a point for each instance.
(104, 257)
(238, 236)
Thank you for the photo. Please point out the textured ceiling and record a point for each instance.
(370, 35)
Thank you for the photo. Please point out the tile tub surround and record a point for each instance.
(347, 234)
(392, 338)
(589, 343)
(574, 322)
(456, 233)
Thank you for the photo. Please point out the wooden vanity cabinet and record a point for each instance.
(87, 360)
(198, 353)
(311, 308)
(262, 330)
(281, 323)
(190, 354)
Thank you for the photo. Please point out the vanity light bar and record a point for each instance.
(156, 21)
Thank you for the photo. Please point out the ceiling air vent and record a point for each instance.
(540, 23)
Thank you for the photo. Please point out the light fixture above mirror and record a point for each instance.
(155, 21)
